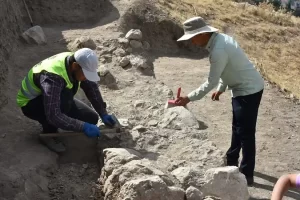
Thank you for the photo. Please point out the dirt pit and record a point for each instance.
(29, 170)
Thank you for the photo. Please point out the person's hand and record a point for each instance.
(108, 120)
(182, 101)
(215, 96)
(91, 130)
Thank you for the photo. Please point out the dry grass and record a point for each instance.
(271, 39)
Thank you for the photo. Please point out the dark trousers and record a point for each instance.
(69, 106)
(245, 111)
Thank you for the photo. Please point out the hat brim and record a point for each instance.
(206, 29)
(91, 76)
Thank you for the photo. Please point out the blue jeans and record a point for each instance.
(245, 111)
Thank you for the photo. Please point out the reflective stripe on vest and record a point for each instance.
(32, 93)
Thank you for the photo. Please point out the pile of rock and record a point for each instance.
(133, 44)
(146, 172)
(128, 175)
(126, 52)
(135, 37)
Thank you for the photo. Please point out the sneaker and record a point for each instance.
(54, 144)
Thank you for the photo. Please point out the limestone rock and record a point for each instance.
(124, 61)
(189, 177)
(139, 62)
(103, 70)
(123, 41)
(134, 34)
(149, 188)
(108, 79)
(193, 193)
(179, 118)
(135, 44)
(83, 42)
(117, 156)
(176, 193)
(227, 183)
(120, 52)
(35, 35)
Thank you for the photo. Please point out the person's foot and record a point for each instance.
(250, 181)
(54, 144)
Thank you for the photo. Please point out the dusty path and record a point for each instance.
(278, 123)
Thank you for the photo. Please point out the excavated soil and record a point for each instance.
(28, 170)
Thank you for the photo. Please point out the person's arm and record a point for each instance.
(283, 184)
(218, 61)
(51, 86)
(92, 92)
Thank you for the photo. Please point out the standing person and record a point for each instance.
(229, 67)
(47, 95)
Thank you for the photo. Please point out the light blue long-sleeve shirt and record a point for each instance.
(229, 66)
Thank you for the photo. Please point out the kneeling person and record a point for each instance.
(47, 95)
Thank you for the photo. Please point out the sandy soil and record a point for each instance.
(21, 154)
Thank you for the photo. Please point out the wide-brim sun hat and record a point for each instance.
(88, 61)
(195, 26)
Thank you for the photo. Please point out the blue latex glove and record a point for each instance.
(91, 130)
(108, 120)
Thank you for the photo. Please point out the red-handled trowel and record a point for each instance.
(171, 103)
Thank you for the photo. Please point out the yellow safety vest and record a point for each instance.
(55, 65)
